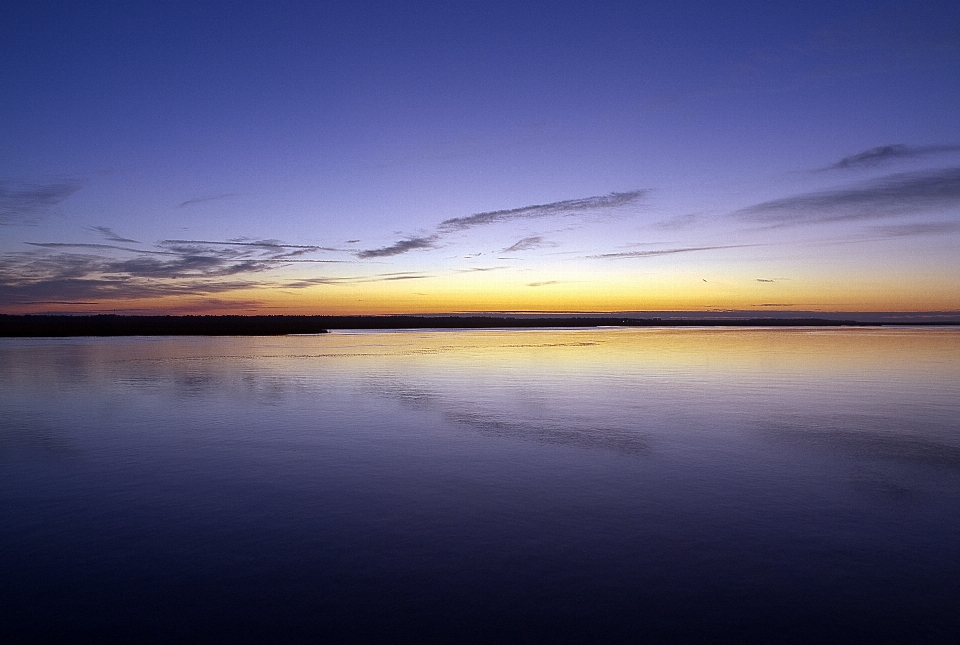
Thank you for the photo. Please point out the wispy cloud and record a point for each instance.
(20, 202)
(659, 252)
(481, 269)
(525, 244)
(65, 279)
(110, 235)
(62, 272)
(379, 277)
(312, 282)
(566, 207)
(199, 200)
(398, 248)
(920, 228)
(87, 245)
(545, 283)
(390, 277)
(677, 223)
(887, 154)
(899, 194)
(261, 244)
(60, 302)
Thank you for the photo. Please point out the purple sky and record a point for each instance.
(401, 157)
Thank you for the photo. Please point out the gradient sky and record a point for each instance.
(332, 157)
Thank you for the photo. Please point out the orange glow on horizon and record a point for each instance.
(472, 293)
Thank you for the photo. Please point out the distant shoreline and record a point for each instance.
(39, 326)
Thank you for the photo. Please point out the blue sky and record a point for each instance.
(406, 157)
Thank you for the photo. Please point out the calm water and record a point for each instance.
(611, 485)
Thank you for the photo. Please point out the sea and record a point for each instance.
(606, 485)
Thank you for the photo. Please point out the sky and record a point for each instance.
(378, 158)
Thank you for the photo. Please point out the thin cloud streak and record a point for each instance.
(264, 244)
(888, 154)
(459, 224)
(525, 244)
(273, 252)
(659, 252)
(397, 277)
(87, 245)
(290, 260)
(199, 200)
(59, 302)
(566, 207)
(110, 236)
(899, 194)
(334, 281)
(481, 269)
(923, 228)
(21, 201)
(545, 283)
(677, 223)
(920, 228)
(122, 288)
(312, 282)
(398, 248)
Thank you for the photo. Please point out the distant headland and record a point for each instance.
(119, 325)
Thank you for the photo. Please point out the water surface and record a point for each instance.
(601, 485)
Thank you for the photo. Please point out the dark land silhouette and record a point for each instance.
(116, 325)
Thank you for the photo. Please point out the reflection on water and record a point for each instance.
(664, 485)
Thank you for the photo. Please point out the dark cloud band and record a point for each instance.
(888, 154)
(457, 224)
(19, 201)
(566, 207)
(57, 271)
(403, 246)
(899, 194)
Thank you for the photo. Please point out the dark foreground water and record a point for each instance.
(606, 485)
